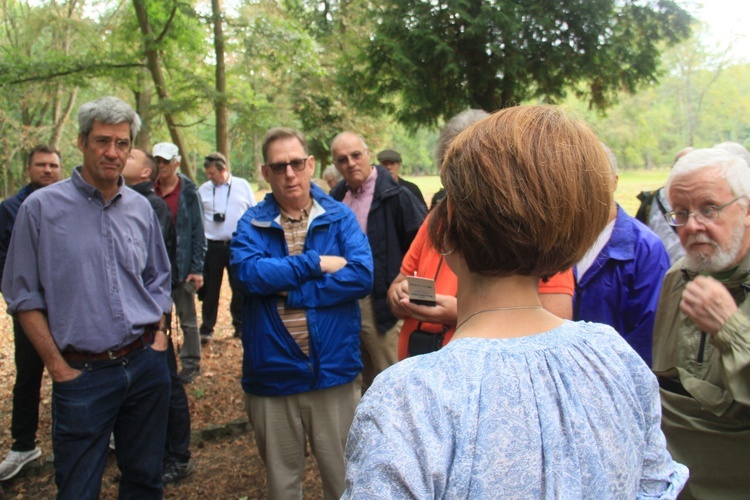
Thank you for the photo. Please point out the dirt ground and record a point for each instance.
(226, 467)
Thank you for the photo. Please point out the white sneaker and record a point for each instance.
(15, 461)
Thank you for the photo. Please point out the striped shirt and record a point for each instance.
(295, 320)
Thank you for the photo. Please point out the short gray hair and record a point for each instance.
(346, 132)
(732, 168)
(332, 173)
(109, 110)
(455, 126)
(736, 149)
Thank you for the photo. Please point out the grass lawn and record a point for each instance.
(630, 184)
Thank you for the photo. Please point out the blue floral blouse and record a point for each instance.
(570, 413)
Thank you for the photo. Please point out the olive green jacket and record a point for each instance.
(715, 370)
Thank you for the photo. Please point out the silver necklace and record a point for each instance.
(493, 310)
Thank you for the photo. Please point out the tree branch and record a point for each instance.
(67, 72)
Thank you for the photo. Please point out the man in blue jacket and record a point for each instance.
(302, 261)
(619, 279)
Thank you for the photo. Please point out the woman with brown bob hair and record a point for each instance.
(520, 403)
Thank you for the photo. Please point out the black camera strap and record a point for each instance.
(213, 200)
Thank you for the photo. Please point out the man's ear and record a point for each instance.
(264, 171)
(81, 142)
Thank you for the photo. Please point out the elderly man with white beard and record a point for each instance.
(701, 345)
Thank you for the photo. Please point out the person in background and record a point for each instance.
(391, 160)
(331, 176)
(140, 173)
(702, 329)
(303, 262)
(521, 403)
(428, 328)
(654, 206)
(225, 198)
(183, 200)
(390, 216)
(619, 278)
(88, 276)
(43, 168)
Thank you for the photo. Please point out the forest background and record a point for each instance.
(209, 76)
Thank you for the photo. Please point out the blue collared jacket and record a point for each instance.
(621, 288)
(273, 364)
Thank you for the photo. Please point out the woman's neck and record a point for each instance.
(500, 307)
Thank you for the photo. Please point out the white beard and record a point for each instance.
(722, 258)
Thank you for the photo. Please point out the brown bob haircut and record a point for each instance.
(528, 190)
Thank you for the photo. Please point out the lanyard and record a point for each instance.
(213, 201)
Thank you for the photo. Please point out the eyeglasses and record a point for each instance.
(280, 167)
(345, 159)
(103, 143)
(707, 213)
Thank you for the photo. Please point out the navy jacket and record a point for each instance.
(394, 219)
(190, 247)
(273, 364)
(621, 288)
(8, 212)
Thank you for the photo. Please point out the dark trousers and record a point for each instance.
(29, 370)
(128, 395)
(217, 259)
(178, 421)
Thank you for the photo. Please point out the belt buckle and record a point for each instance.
(111, 354)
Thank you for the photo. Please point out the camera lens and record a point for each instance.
(219, 217)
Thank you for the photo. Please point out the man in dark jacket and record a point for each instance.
(189, 251)
(390, 216)
(139, 173)
(43, 168)
(391, 160)
(302, 262)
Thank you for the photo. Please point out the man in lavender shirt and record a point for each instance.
(390, 216)
(88, 277)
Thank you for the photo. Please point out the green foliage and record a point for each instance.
(442, 57)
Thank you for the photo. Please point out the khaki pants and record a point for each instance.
(280, 424)
(379, 350)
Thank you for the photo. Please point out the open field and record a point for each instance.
(631, 183)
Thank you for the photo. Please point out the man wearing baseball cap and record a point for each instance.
(188, 250)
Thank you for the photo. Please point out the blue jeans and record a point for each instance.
(129, 396)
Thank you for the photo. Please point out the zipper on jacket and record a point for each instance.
(312, 376)
(701, 348)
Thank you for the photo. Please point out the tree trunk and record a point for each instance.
(220, 105)
(143, 107)
(154, 67)
(59, 119)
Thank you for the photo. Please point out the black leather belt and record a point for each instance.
(220, 242)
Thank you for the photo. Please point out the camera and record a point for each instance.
(219, 217)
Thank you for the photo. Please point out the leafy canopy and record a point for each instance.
(442, 56)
